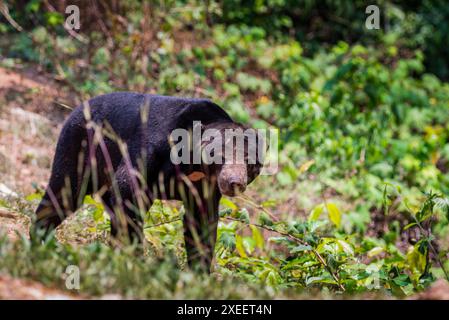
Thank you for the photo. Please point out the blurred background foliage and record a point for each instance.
(363, 116)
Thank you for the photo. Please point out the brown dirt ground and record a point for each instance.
(13, 224)
(30, 120)
(438, 291)
(20, 289)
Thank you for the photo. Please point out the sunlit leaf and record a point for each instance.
(410, 225)
(239, 246)
(346, 247)
(301, 248)
(416, 259)
(316, 212)
(33, 196)
(228, 203)
(249, 244)
(305, 166)
(322, 279)
(334, 214)
(257, 236)
(375, 251)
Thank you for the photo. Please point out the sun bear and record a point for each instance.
(120, 147)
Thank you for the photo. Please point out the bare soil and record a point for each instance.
(30, 120)
(20, 289)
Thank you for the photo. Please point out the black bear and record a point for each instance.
(118, 146)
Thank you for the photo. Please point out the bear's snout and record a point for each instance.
(232, 180)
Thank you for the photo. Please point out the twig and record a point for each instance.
(162, 223)
(65, 106)
(5, 11)
(257, 206)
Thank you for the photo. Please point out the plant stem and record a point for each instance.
(434, 251)
(257, 206)
(428, 234)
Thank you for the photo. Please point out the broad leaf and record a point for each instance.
(334, 214)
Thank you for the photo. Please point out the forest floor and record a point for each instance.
(20, 289)
(27, 138)
(32, 110)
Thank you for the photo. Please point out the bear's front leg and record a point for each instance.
(125, 208)
(200, 228)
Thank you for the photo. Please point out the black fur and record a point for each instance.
(74, 174)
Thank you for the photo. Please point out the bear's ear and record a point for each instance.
(204, 111)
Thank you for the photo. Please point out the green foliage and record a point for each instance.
(410, 25)
(364, 133)
(313, 258)
(107, 270)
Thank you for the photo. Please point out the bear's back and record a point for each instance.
(125, 112)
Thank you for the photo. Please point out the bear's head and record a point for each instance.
(236, 154)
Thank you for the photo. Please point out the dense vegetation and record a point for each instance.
(360, 202)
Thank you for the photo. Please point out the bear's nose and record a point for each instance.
(237, 186)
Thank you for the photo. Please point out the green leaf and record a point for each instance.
(243, 215)
(410, 225)
(265, 220)
(416, 259)
(228, 203)
(227, 240)
(305, 166)
(225, 212)
(54, 18)
(334, 214)
(90, 200)
(239, 246)
(346, 247)
(402, 280)
(33, 196)
(316, 212)
(301, 248)
(249, 244)
(280, 240)
(257, 236)
(375, 251)
(322, 279)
